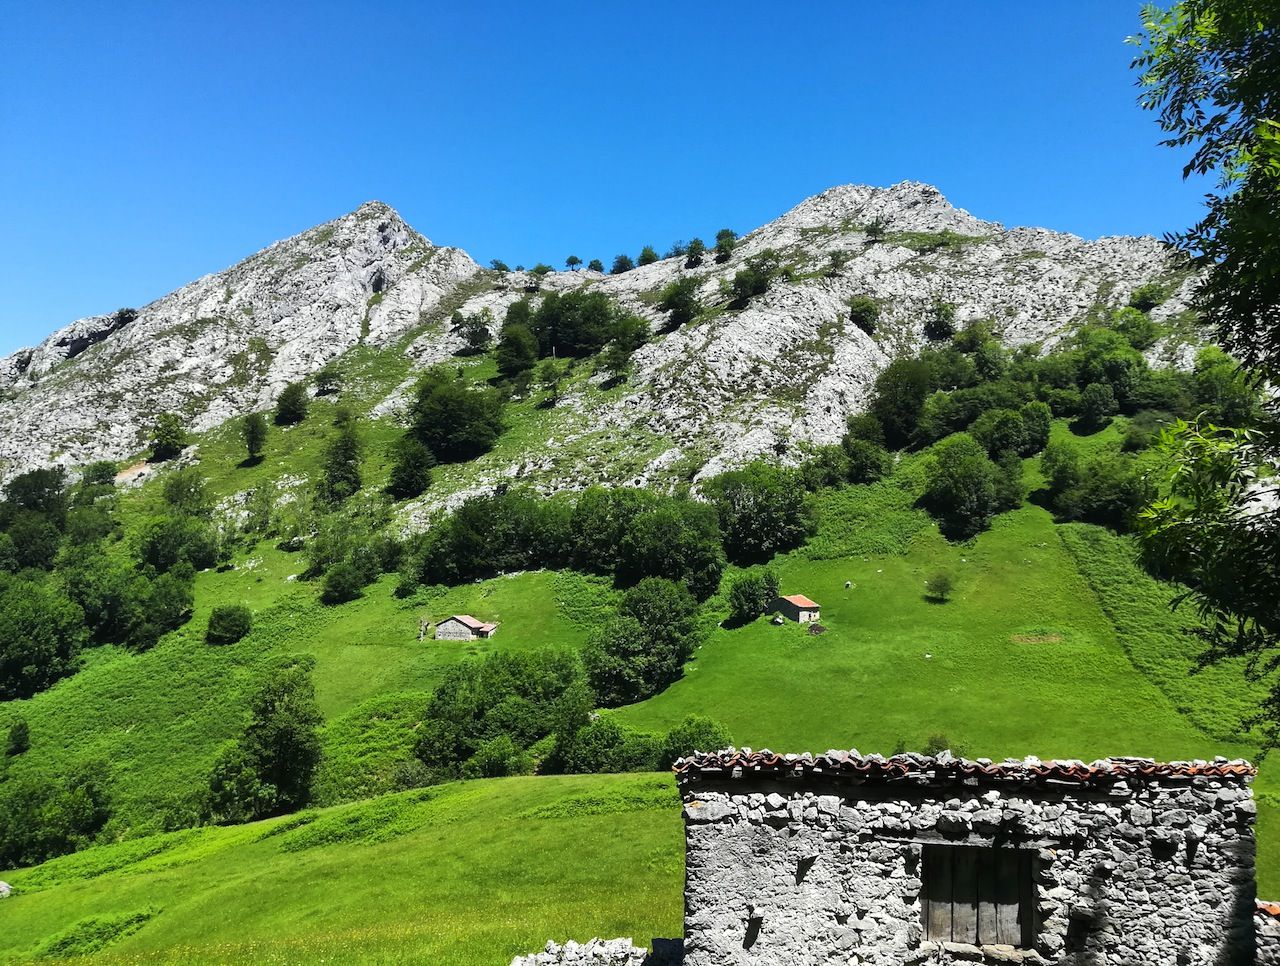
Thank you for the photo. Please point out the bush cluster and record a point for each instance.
(520, 713)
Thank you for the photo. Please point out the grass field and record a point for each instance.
(459, 874)
(1054, 643)
(159, 718)
(1021, 660)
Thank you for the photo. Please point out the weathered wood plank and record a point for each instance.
(1007, 896)
(964, 891)
(937, 893)
(1027, 862)
(989, 862)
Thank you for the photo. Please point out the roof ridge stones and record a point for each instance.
(853, 767)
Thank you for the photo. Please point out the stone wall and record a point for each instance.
(604, 952)
(1267, 926)
(801, 860)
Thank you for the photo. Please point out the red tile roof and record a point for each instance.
(855, 768)
(800, 600)
(470, 622)
(1271, 909)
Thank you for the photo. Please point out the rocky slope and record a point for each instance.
(223, 345)
(783, 372)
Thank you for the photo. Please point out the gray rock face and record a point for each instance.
(223, 345)
(784, 372)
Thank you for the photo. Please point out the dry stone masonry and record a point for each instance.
(603, 952)
(845, 858)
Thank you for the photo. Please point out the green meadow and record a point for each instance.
(466, 873)
(1053, 642)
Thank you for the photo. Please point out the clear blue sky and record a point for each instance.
(145, 144)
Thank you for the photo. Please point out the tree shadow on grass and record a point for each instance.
(1083, 429)
(249, 462)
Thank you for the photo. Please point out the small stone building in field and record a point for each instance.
(848, 858)
(797, 607)
(463, 627)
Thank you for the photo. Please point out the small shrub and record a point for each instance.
(1147, 297)
(411, 466)
(864, 312)
(328, 380)
(939, 586)
(19, 739)
(254, 431)
(647, 256)
(228, 623)
(941, 323)
(168, 437)
(726, 238)
(621, 264)
(695, 733)
(342, 583)
(939, 743)
(292, 404)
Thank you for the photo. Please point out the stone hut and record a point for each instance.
(798, 607)
(463, 627)
(845, 858)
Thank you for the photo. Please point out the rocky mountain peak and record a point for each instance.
(777, 374)
(909, 206)
(224, 344)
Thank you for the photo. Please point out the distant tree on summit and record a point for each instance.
(694, 252)
(726, 238)
(595, 265)
(622, 263)
(498, 265)
(648, 255)
(572, 263)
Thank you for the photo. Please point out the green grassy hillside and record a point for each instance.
(467, 873)
(1054, 642)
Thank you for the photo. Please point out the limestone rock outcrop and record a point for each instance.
(783, 372)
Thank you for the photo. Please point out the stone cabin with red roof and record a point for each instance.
(848, 858)
(798, 607)
(463, 627)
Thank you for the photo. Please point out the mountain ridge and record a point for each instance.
(722, 389)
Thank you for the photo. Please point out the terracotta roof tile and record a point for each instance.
(1271, 909)
(800, 600)
(853, 767)
(468, 620)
